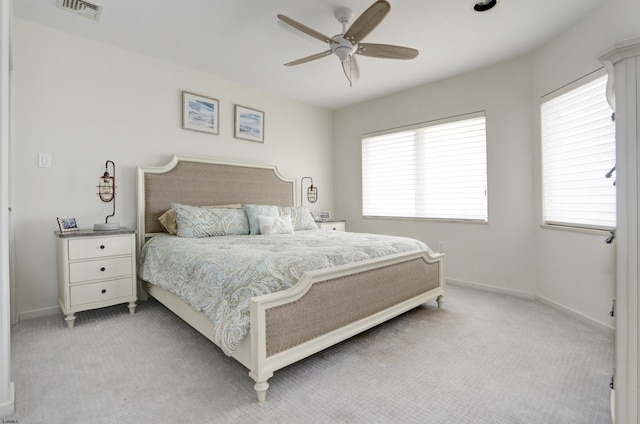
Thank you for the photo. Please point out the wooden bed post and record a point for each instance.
(261, 389)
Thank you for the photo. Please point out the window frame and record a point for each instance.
(414, 128)
(557, 224)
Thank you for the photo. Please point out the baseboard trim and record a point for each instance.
(8, 408)
(533, 296)
(483, 287)
(38, 313)
(574, 313)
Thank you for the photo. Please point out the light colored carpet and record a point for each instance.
(483, 358)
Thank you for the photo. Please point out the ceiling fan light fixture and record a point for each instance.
(343, 52)
(484, 5)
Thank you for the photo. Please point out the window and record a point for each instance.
(578, 150)
(435, 170)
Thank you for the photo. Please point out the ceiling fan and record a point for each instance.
(348, 43)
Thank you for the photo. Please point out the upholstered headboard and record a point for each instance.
(203, 182)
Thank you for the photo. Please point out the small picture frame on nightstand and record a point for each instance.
(325, 215)
(68, 224)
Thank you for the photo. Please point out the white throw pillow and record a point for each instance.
(275, 224)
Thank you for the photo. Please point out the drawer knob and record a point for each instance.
(104, 291)
(103, 269)
(102, 246)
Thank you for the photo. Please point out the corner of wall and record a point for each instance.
(7, 408)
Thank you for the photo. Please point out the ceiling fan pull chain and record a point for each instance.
(350, 79)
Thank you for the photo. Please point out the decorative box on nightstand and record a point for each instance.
(332, 224)
(96, 269)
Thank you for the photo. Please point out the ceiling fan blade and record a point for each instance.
(366, 22)
(308, 58)
(309, 31)
(351, 69)
(386, 51)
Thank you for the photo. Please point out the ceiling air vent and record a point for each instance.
(81, 7)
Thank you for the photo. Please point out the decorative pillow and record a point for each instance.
(254, 210)
(275, 224)
(168, 219)
(197, 221)
(301, 217)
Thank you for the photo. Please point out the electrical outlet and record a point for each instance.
(442, 246)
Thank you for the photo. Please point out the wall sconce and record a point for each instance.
(312, 191)
(107, 193)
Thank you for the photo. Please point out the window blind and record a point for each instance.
(578, 149)
(434, 171)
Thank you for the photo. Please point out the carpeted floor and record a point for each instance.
(483, 358)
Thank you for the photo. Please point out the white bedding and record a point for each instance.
(219, 275)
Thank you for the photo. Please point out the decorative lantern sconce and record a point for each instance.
(107, 193)
(312, 191)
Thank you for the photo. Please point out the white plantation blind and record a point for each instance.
(434, 171)
(578, 149)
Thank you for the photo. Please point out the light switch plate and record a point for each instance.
(44, 160)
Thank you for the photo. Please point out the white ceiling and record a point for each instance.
(243, 40)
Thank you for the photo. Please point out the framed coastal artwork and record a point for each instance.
(200, 113)
(249, 124)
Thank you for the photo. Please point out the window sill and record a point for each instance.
(594, 231)
(448, 220)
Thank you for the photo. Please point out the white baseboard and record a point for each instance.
(8, 408)
(38, 313)
(532, 296)
(483, 287)
(574, 313)
(613, 407)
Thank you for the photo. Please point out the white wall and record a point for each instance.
(578, 270)
(512, 252)
(7, 405)
(84, 103)
(498, 254)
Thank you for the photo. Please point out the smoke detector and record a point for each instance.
(81, 7)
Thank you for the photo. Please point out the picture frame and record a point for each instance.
(67, 224)
(249, 124)
(325, 215)
(200, 113)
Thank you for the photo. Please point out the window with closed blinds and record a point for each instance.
(431, 171)
(578, 149)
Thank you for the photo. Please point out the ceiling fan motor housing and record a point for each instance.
(343, 48)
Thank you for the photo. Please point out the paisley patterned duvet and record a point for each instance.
(219, 275)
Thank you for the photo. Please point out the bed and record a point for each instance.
(330, 297)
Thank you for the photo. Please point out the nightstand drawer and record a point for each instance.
(100, 292)
(332, 225)
(99, 247)
(100, 269)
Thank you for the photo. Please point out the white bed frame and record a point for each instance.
(324, 308)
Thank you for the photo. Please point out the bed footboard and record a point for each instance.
(330, 305)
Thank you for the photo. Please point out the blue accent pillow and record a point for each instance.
(252, 214)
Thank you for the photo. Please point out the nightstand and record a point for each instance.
(96, 269)
(332, 225)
